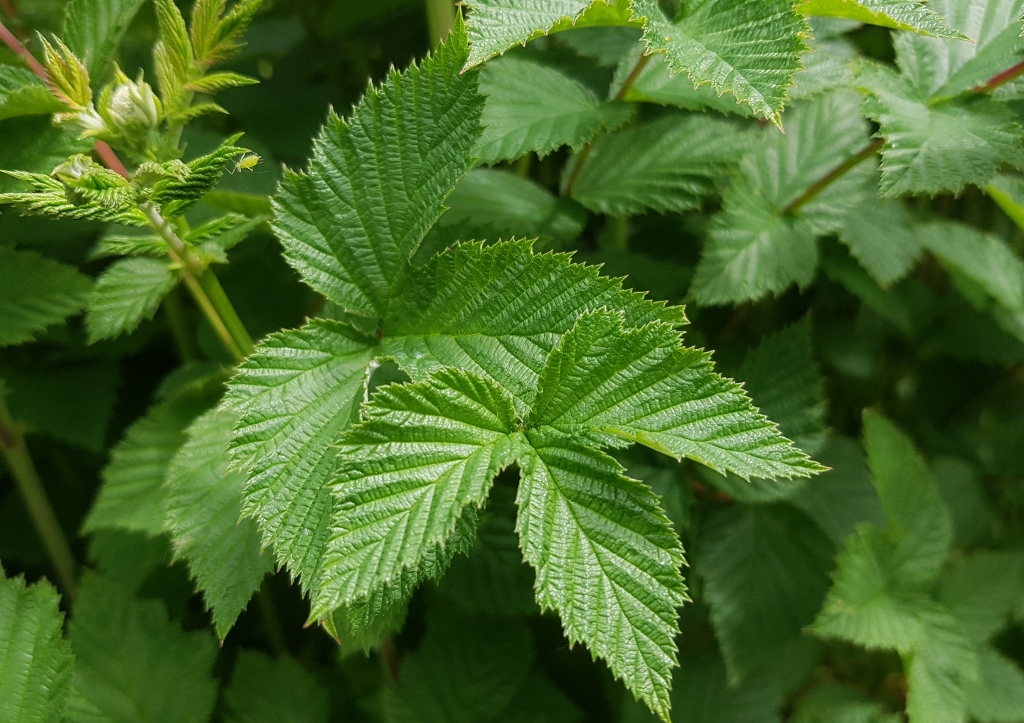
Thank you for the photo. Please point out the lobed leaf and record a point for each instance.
(127, 293)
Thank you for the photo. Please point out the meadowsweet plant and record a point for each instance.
(614, 360)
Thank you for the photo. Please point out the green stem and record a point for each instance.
(177, 320)
(12, 442)
(616, 233)
(440, 20)
(201, 282)
(832, 176)
(271, 620)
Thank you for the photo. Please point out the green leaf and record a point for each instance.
(494, 26)
(34, 144)
(503, 205)
(840, 703)
(50, 197)
(93, 29)
(980, 590)
(127, 293)
(268, 690)
(533, 107)
(826, 67)
(466, 669)
(785, 384)
(755, 247)
(998, 694)
(918, 520)
(939, 670)
(421, 455)
(132, 495)
(881, 236)
(668, 165)
(175, 195)
(494, 310)
(293, 397)
(766, 572)
(134, 665)
(36, 292)
(641, 385)
(120, 244)
(657, 84)
(331, 220)
(607, 560)
(898, 14)
(35, 660)
(751, 50)
(128, 557)
(203, 507)
(23, 93)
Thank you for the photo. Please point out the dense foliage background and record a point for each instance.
(870, 297)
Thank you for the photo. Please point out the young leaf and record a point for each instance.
(533, 107)
(50, 197)
(265, 690)
(613, 578)
(36, 292)
(755, 247)
(766, 571)
(127, 293)
(748, 49)
(494, 26)
(203, 506)
(23, 93)
(898, 14)
(422, 453)
(667, 166)
(132, 496)
(93, 29)
(134, 665)
(176, 195)
(35, 660)
(293, 396)
(350, 224)
(783, 379)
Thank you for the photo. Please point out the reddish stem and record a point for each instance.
(999, 79)
(12, 42)
(107, 155)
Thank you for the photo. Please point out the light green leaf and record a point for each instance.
(749, 49)
(918, 521)
(177, 194)
(498, 310)
(23, 93)
(998, 694)
(668, 165)
(332, 220)
(980, 590)
(203, 506)
(766, 572)
(503, 205)
(939, 670)
(132, 664)
(533, 107)
(36, 292)
(268, 690)
(132, 495)
(93, 30)
(826, 67)
(121, 244)
(294, 395)
(641, 385)
(881, 236)
(657, 84)
(50, 197)
(35, 660)
(783, 379)
(128, 292)
(607, 560)
(755, 247)
(494, 26)
(898, 14)
(421, 454)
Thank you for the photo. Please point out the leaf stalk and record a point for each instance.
(832, 176)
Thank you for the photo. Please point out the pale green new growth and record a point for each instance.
(202, 516)
(533, 107)
(132, 664)
(127, 293)
(668, 165)
(898, 14)
(265, 690)
(35, 660)
(36, 292)
(748, 49)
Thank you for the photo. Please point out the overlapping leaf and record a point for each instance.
(22, 94)
(127, 293)
(36, 292)
(496, 25)
(898, 14)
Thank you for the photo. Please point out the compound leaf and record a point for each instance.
(36, 292)
(35, 660)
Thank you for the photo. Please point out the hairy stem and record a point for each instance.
(200, 283)
(440, 20)
(12, 443)
(832, 176)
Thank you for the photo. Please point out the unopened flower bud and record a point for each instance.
(131, 105)
(87, 122)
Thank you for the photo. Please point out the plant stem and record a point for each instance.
(999, 79)
(832, 176)
(12, 442)
(633, 76)
(271, 620)
(238, 343)
(12, 42)
(440, 20)
(177, 321)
